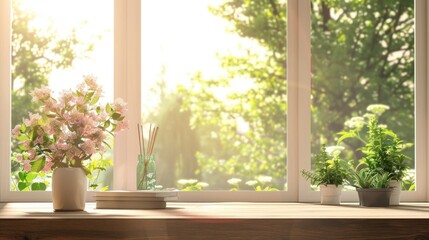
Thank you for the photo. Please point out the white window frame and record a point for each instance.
(127, 75)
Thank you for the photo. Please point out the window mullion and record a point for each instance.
(127, 86)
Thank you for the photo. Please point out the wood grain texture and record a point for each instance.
(217, 221)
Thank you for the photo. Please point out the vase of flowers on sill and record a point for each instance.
(65, 134)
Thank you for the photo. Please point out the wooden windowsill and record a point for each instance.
(237, 210)
(217, 221)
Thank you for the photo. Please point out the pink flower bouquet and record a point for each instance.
(68, 130)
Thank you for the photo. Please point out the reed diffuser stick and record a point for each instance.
(140, 141)
(146, 150)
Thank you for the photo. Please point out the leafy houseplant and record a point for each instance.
(373, 188)
(330, 174)
(69, 130)
(382, 148)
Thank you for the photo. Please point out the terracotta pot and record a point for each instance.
(395, 197)
(370, 197)
(330, 194)
(69, 186)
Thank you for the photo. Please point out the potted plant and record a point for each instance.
(382, 149)
(330, 173)
(64, 136)
(373, 188)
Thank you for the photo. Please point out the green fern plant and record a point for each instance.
(328, 169)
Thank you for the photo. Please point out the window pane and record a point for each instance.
(362, 54)
(214, 81)
(56, 43)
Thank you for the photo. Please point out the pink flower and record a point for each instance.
(70, 128)
(19, 158)
(89, 147)
(16, 130)
(41, 94)
(27, 165)
(90, 80)
(47, 166)
(33, 121)
(119, 105)
(122, 125)
(32, 153)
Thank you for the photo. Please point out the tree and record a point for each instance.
(241, 117)
(362, 54)
(35, 53)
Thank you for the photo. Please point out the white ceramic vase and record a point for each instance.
(69, 186)
(330, 194)
(395, 197)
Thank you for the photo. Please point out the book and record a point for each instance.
(105, 204)
(133, 198)
(137, 194)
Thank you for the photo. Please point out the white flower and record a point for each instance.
(377, 109)
(355, 123)
(264, 179)
(252, 182)
(334, 151)
(187, 181)
(234, 181)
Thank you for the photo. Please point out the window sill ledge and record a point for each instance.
(216, 221)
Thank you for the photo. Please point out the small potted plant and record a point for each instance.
(64, 135)
(382, 149)
(373, 188)
(330, 173)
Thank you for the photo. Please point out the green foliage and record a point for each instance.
(191, 185)
(328, 169)
(262, 183)
(35, 53)
(97, 167)
(382, 149)
(243, 133)
(354, 64)
(365, 178)
(362, 53)
(30, 181)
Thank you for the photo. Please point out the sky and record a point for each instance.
(181, 35)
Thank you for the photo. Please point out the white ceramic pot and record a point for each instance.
(330, 194)
(395, 197)
(69, 187)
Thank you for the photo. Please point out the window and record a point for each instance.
(52, 46)
(132, 81)
(217, 92)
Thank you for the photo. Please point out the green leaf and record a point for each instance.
(22, 137)
(22, 186)
(107, 124)
(23, 127)
(116, 116)
(37, 166)
(22, 175)
(30, 177)
(94, 100)
(88, 96)
(345, 135)
(38, 186)
(108, 109)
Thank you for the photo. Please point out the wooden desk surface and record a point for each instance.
(217, 221)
